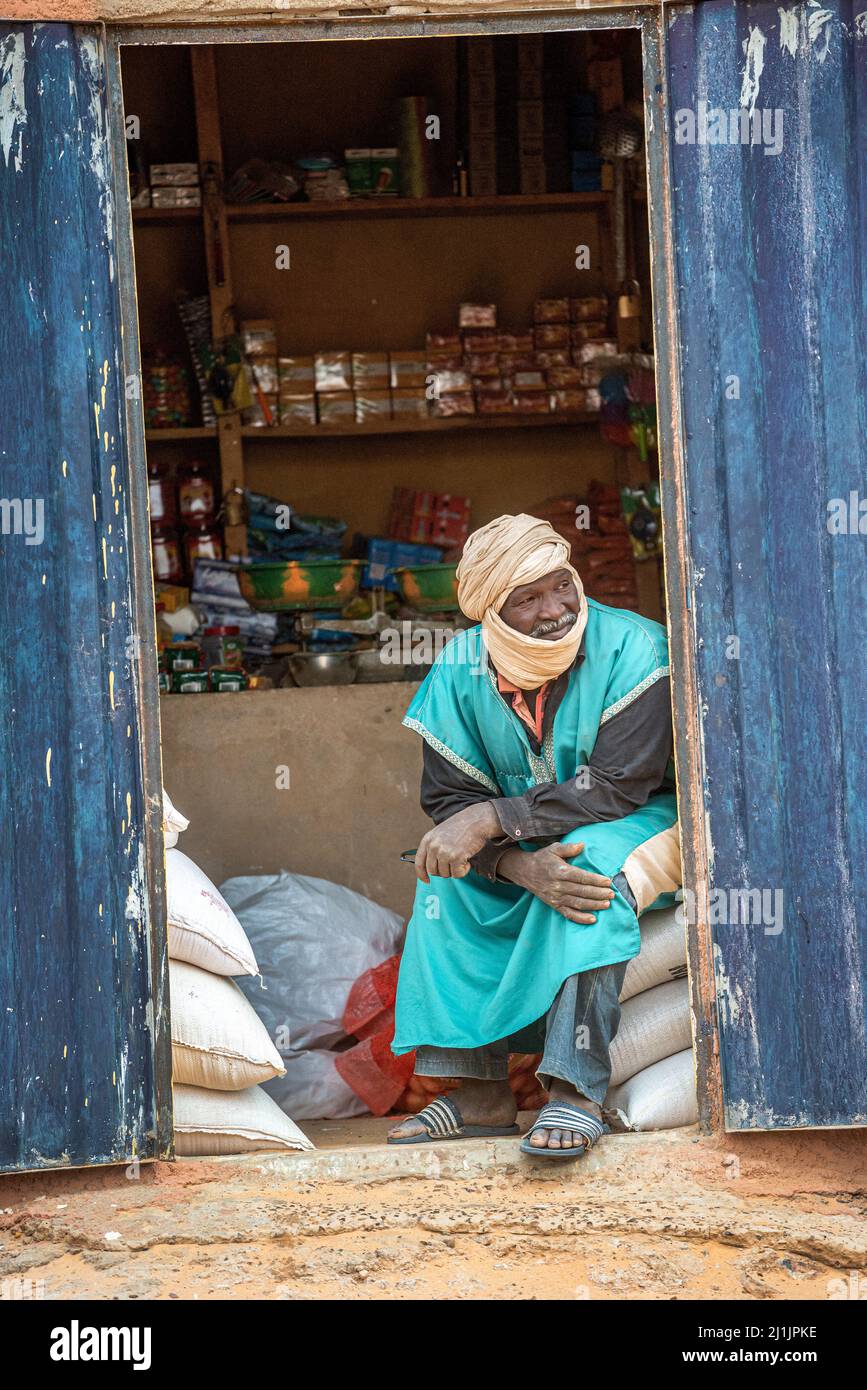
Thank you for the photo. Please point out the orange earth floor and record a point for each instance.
(656, 1216)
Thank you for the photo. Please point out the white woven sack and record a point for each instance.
(663, 952)
(218, 1041)
(231, 1122)
(203, 929)
(173, 822)
(661, 1096)
(653, 1025)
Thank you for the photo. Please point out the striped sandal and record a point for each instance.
(443, 1120)
(561, 1115)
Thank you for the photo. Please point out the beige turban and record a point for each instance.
(510, 551)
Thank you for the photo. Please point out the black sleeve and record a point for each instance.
(446, 790)
(627, 765)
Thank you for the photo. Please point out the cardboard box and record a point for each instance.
(370, 370)
(259, 337)
(297, 410)
(372, 404)
(336, 407)
(296, 374)
(407, 369)
(174, 175)
(409, 401)
(333, 371)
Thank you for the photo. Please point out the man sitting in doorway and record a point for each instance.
(547, 744)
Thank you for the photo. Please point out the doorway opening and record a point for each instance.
(385, 293)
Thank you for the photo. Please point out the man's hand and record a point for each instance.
(446, 850)
(571, 891)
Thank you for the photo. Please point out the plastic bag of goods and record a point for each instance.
(231, 1122)
(217, 1040)
(653, 1025)
(203, 929)
(312, 939)
(662, 1096)
(313, 1089)
(663, 952)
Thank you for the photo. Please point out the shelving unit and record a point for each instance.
(522, 247)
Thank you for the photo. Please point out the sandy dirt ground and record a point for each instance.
(645, 1217)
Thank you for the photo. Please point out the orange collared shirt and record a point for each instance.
(532, 719)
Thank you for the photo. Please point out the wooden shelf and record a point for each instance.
(385, 207)
(417, 207)
(434, 424)
(181, 435)
(164, 216)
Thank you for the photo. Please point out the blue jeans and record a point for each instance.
(576, 1033)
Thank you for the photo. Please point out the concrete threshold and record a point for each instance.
(356, 1151)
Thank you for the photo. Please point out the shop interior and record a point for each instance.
(386, 291)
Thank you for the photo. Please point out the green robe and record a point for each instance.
(484, 960)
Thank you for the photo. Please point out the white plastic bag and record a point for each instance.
(661, 1096)
(663, 952)
(312, 939)
(231, 1122)
(313, 1088)
(653, 1025)
(173, 822)
(203, 929)
(217, 1040)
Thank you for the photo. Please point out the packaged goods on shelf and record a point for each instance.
(176, 198)
(451, 520)
(333, 371)
(547, 358)
(384, 555)
(297, 410)
(372, 404)
(370, 370)
(511, 362)
(477, 315)
(530, 402)
(564, 377)
(174, 175)
(166, 391)
(451, 382)
(588, 307)
(359, 172)
(407, 369)
(443, 342)
(263, 374)
(569, 398)
(385, 172)
(259, 338)
(335, 407)
(593, 348)
(494, 401)
(529, 381)
(551, 335)
(194, 312)
(480, 340)
(520, 343)
(581, 332)
(264, 413)
(296, 375)
(483, 364)
(444, 361)
(457, 403)
(409, 401)
(551, 311)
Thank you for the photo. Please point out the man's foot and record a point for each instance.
(562, 1092)
(480, 1103)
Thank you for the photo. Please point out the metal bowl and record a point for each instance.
(322, 668)
(371, 667)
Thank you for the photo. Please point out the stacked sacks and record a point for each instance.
(652, 1073)
(221, 1052)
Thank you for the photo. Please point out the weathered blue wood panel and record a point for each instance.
(772, 279)
(78, 958)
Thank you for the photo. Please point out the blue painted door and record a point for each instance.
(771, 268)
(84, 1073)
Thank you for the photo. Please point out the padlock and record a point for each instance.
(629, 300)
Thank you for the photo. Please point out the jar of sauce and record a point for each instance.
(196, 499)
(166, 551)
(162, 497)
(204, 542)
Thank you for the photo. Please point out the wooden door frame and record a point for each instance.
(651, 22)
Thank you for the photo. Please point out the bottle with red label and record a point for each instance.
(196, 498)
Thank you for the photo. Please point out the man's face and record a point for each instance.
(546, 608)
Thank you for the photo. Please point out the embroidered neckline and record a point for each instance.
(450, 756)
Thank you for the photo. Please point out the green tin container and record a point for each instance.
(189, 682)
(227, 678)
(303, 584)
(429, 588)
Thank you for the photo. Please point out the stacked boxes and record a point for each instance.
(475, 369)
(482, 117)
(429, 518)
(175, 186)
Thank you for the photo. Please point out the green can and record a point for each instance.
(189, 682)
(163, 681)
